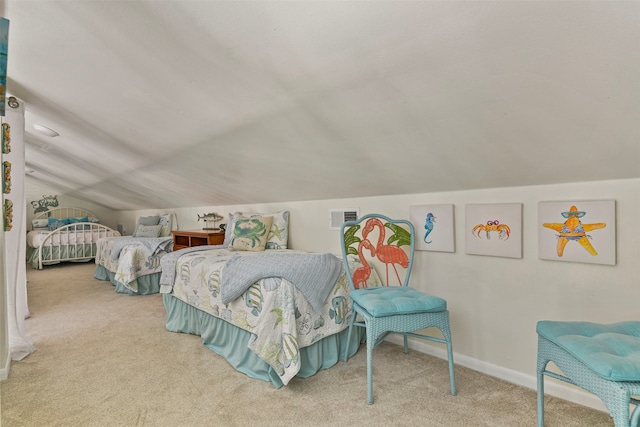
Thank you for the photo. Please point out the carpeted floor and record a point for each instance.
(106, 359)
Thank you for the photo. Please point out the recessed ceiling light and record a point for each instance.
(13, 102)
(45, 130)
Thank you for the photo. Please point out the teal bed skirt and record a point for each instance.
(149, 284)
(231, 342)
(57, 254)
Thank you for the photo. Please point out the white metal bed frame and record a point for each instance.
(93, 230)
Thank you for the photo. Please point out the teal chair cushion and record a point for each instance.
(611, 351)
(385, 301)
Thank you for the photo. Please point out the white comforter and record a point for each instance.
(35, 238)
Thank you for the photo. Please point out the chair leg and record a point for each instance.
(618, 404)
(445, 328)
(452, 378)
(371, 341)
(541, 394)
(635, 417)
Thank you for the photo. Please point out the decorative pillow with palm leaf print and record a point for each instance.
(250, 234)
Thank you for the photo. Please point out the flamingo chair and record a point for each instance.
(389, 306)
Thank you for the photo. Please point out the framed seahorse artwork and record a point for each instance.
(494, 229)
(577, 231)
(434, 227)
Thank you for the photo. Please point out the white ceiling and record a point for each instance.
(177, 103)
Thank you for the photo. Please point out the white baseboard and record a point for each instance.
(551, 387)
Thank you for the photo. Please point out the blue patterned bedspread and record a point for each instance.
(134, 260)
(273, 309)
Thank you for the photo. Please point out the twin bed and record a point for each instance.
(68, 234)
(273, 314)
(132, 263)
(64, 234)
(271, 331)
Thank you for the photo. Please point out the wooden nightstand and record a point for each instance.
(187, 239)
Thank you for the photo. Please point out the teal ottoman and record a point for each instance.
(602, 359)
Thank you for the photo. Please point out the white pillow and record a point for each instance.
(148, 220)
(147, 230)
(40, 223)
(165, 223)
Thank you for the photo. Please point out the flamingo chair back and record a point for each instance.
(380, 251)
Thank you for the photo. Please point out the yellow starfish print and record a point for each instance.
(574, 229)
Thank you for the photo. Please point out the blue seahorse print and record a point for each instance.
(430, 221)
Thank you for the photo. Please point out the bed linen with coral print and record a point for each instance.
(135, 260)
(273, 310)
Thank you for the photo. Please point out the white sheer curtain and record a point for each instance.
(20, 344)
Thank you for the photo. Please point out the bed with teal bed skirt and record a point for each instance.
(141, 285)
(133, 268)
(64, 234)
(232, 343)
(271, 331)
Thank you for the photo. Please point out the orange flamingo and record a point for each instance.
(362, 274)
(388, 254)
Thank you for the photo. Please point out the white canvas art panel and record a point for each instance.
(494, 230)
(434, 227)
(577, 231)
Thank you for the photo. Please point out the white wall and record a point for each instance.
(494, 302)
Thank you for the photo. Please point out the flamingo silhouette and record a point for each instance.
(388, 254)
(362, 274)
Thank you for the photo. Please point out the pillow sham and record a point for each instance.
(165, 222)
(278, 233)
(148, 220)
(55, 223)
(250, 234)
(147, 230)
(40, 223)
(73, 220)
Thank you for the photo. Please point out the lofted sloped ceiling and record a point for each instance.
(163, 104)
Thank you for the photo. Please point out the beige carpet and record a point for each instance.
(106, 359)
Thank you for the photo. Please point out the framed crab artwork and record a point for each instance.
(577, 231)
(494, 230)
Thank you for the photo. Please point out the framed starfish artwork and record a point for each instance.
(434, 227)
(577, 231)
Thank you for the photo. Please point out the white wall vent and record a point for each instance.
(339, 216)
